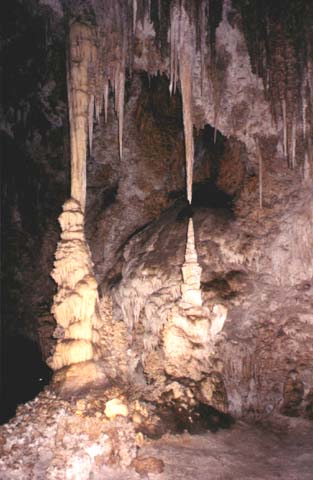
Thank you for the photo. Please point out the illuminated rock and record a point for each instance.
(75, 305)
(115, 407)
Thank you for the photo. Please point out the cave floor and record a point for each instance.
(282, 450)
(50, 439)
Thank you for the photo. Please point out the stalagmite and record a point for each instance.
(191, 292)
(75, 305)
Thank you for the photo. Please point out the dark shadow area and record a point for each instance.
(218, 172)
(176, 418)
(23, 373)
(207, 194)
(194, 420)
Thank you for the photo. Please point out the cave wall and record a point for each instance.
(254, 255)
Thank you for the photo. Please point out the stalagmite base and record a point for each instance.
(75, 305)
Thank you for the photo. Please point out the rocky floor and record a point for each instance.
(62, 440)
(244, 452)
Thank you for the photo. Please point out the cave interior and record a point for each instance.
(156, 239)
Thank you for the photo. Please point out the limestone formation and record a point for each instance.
(116, 407)
(191, 292)
(158, 331)
(182, 57)
(81, 104)
(75, 305)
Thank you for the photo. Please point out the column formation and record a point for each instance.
(75, 306)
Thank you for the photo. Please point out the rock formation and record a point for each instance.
(81, 105)
(182, 293)
(191, 293)
(76, 303)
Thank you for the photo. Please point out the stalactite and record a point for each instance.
(174, 42)
(90, 120)
(283, 41)
(105, 100)
(293, 143)
(202, 41)
(98, 107)
(186, 81)
(306, 167)
(260, 177)
(119, 88)
(285, 135)
(134, 15)
(182, 55)
(304, 107)
(81, 50)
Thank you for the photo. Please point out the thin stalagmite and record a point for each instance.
(191, 292)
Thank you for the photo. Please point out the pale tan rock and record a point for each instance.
(218, 319)
(139, 439)
(81, 53)
(81, 404)
(115, 407)
(75, 305)
(137, 418)
(79, 376)
(191, 270)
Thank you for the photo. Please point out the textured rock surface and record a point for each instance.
(65, 442)
(75, 306)
(243, 345)
(56, 439)
(264, 346)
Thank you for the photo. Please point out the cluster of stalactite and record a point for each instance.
(279, 36)
(279, 40)
(102, 54)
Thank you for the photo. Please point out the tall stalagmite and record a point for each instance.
(75, 306)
